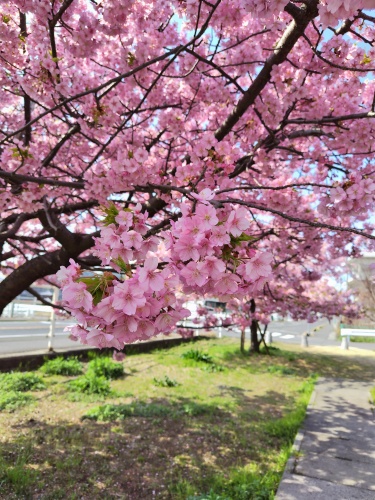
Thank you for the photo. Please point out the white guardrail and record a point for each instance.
(21, 310)
(346, 333)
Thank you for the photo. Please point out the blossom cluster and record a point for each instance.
(331, 11)
(265, 9)
(205, 251)
(351, 197)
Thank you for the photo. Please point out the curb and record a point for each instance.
(296, 447)
(33, 360)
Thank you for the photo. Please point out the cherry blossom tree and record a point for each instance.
(293, 292)
(182, 146)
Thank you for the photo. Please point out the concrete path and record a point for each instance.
(334, 455)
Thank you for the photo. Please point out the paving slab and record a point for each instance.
(353, 447)
(294, 487)
(335, 449)
(338, 470)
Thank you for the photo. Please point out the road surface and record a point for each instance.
(28, 336)
(292, 331)
(18, 337)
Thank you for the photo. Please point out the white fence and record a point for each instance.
(26, 309)
(346, 333)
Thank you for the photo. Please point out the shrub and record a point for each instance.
(62, 366)
(91, 384)
(105, 367)
(21, 382)
(12, 400)
(166, 382)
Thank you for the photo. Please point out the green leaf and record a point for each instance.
(366, 59)
(126, 268)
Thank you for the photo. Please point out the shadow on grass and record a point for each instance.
(156, 450)
(303, 364)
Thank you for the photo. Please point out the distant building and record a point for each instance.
(362, 282)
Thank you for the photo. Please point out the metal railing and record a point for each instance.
(31, 309)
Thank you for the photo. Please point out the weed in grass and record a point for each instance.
(68, 463)
(214, 368)
(286, 428)
(242, 484)
(112, 412)
(197, 355)
(21, 382)
(16, 474)
(373, 394)
(105, 367)
(203, 357)
(181, 489)
(91, 384)
(282, 370)
(195, 409)
(62, 366)
(165, 382)
(12, 400)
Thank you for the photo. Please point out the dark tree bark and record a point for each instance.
(43, 265)
(243, 331)
(254, 342)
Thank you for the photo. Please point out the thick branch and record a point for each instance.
(66, 4)
(19, 179)
(43, 300)
(302, 221)
(43, 265)
(331, 119)
(284, 46)
(66, 209)
(26, 98)
(73, 130)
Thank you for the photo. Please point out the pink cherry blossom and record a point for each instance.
(259, 266)
(76, 296)
(228, 284)
(149, 277)
(187, 249)
(131, 239)
(204, 196)
(118, 356)
(194, 274)
(207, 216)
(237, 222)
(127, 297)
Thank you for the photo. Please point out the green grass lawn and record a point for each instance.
(367, 340)
(208, 425)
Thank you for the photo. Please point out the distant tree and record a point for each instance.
(362, 285)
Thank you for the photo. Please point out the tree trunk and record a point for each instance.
(39, 267)
(243, 332)
(254, 342)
